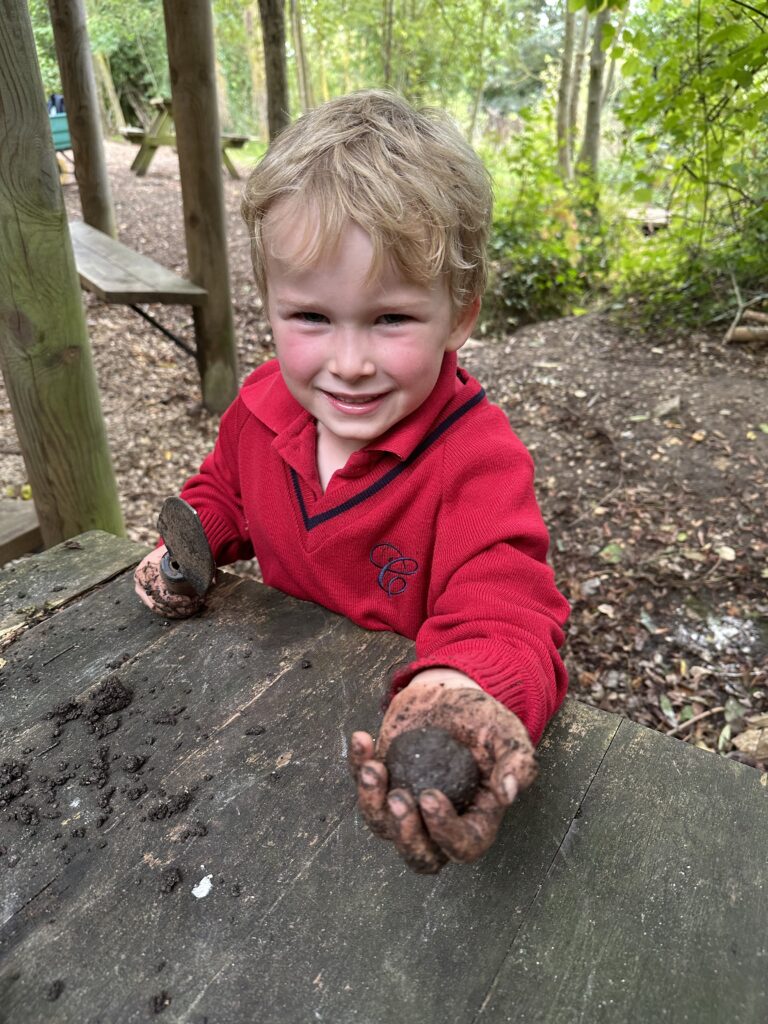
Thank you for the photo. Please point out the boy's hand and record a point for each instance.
(428, 832)
(151, 588)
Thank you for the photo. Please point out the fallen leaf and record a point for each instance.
(666, 407)
(753, 742)
(612, 553)
(726, 553)
(666, 706)
(606, 609)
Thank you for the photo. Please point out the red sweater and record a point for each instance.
(432, 531)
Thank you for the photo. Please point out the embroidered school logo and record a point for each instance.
(394, 568)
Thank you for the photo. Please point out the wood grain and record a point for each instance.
(41, 583)
(656, 904)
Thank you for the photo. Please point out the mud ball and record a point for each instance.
(432, 759)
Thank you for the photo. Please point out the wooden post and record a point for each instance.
(189, 31)
(44, 351)
(82, 106)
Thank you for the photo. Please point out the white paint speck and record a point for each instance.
(203, 887)
(343, 747)
(75, 802)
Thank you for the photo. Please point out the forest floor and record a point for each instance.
(652, 458)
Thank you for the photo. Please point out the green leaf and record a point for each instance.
(666, 706)
(612, 553)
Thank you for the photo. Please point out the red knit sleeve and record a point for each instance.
(494, 612)
(215, 492)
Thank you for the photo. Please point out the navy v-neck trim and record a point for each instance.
(310, 522)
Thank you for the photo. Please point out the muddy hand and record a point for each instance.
(428, 832)
(151, 589)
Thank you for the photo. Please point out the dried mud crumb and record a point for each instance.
(54, 990)
(169, 879)
(133, 762)
(168, 808)
(99, 769)
(159, 1002)
(194, 831)
(28, 814)
(112, 696)
(14, 781)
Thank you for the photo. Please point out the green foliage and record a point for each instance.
(686, 129)
(694, 105)
(46, 50)
(549, 248)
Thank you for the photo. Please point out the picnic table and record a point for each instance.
(179, 835)
(161, 132)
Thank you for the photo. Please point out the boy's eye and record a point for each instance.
(393, 318)
(311, 318)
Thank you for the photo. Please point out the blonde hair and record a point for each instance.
(406, 177)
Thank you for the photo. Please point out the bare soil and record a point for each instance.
(651, 462)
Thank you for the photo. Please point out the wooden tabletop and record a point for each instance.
(179, 836)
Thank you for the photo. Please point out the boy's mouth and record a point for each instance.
(354, 403)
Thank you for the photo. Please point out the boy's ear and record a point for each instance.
(463, 326)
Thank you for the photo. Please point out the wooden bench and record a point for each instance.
(19, 529)
(117, 274)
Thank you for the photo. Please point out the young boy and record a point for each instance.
(369, 474)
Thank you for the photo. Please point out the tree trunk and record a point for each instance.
(189, 31)
(222, 98)
(388, 19)
(578, 71)
(302, 69)
(110, 101)
(44, 350)
(272, 14)
(564, 94)
(612, 65)
(589, 156)
(255, 52)
(82, 105)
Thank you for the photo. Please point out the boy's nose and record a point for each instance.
(350, 359)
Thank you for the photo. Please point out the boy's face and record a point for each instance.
(359, 355)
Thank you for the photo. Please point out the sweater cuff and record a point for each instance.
(514, 677)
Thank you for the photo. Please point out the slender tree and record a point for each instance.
(255, 51)
(302, 67)
(589, 155)
(564, 93)
(578, 71)
(272, 13)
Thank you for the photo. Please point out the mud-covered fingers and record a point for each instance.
(360, 751)
(463, 838)
(410, 837)
(513, 773)
(372, 784)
